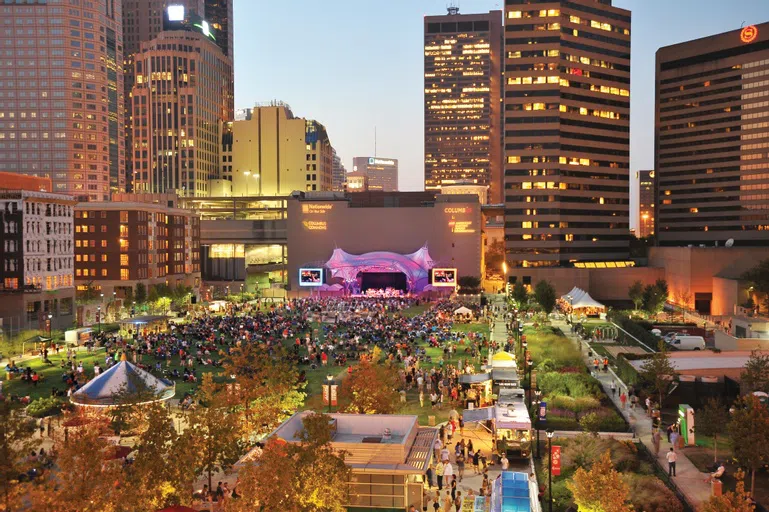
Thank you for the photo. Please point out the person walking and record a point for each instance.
(476, 461)
(656, 438)
(648, 403)
(439, 474)
(623, 399)
(429, 476)
(460, 466)
(448, 474)
(672, 457)
(613, 388)
(674, 438)
(505, 462)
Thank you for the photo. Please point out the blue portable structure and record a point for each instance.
(511, 493)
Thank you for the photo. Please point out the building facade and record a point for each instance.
(181, 98)
(338, 173)
(36, 260)
(567, 132)
(135, 239)
(61, 106)
(463, 108)
(356, 181)
(275, 153)
(382, 172)
(712, 140)
(645, 203)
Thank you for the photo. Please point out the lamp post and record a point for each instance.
(524, 346)
(50, 316)
(98, 317)
(256, 177)
(529, 364)
(537, 403)
(550, 433)
(329, 381)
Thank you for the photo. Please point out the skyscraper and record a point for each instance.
(338, 173)
(712, 141)
(382, 173)
(567, 132)
(219, 14)
(462, 87)
(180, 101)
(646, 204)
(62, 107)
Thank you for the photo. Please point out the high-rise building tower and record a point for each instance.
(712, 140)
(646, 204)
(567, 132)
(382, 173)
(338, 173)
(180, 102)
(462, 87)
(61, 107)
(219, 14)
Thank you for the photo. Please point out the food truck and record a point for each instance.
(512, 423)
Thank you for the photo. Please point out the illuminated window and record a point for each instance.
(526, 224)
(123, 260)
(514, 14)
(123, 245)
(104, 258)
(124, 274)
(513, 159)
(104, 243)
(104, 272)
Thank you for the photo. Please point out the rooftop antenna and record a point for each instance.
(453, 7)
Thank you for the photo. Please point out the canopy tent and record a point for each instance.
(503, 360)
(462, 310)
(474, 378)
(506, 375)
(416, 266)
(568, 296)
(119, 383)
(580, 299)
(510, 417)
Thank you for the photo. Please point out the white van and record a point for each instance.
(683, 342)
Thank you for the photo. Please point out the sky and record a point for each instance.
(356, 66)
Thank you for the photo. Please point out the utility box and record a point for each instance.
(686, 423)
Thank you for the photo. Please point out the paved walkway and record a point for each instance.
(689, 480)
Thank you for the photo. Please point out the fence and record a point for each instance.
(632, 340)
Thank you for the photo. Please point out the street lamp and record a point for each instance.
(529, 364)
(550, 433)
(50, 316)
(329, 380)
(538, 404)
(256, 177)
(98, 317)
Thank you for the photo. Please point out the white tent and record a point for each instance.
(571, 294)
(463, 311)
(586, 301)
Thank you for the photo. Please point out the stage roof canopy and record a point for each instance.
(416, 266)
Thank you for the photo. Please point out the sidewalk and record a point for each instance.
(689, 480)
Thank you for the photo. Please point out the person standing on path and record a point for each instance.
(656, 438)
(674, 438)
(613, 388)
(672, 457)
(439, 474)
(623, 399)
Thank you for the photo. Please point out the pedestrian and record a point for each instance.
(447, 502)
(429, 476)
(596, 363)
(439, 474)
(476, 461)
(460, 466)
(656, 441)
(461, 426)
(648, 403)
(453, 490)
(437, 449)
(421, 398)
(674, 438)
(672, 458)
(505, 462)
(613, 388)
(448, 473)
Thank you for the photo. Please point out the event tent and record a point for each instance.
(503, 360)
(462, 310)
(580, 299)
(122, 379)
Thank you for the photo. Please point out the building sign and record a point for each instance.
(457, 210)
(175, 12)
(315, 225)
(749, 34)
(380, 161)
(316, 207)
(205, 29)
(310, 277)
(556, 454)
(445, 277)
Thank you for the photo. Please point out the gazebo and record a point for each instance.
(124, 383)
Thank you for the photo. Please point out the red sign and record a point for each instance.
(749, 34)
(556, 454)
(333, 394)
(523, 337)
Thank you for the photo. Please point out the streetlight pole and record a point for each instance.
(550, 433)
(98, 317)
(529, 364)
(329, 380)
(50, 316)
(537, 403)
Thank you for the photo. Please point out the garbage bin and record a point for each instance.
(716, 487)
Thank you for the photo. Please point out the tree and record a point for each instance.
(264, 391)
(755, 376)
(370, 389)
(16, 442)
(469, 285)
(737, 501)
(758, 277)
(299, 476)
(495, 255)
(544, 294)
(214, 436)
(636, 294)
(659, 372)
(519, 293)
(89, 292)
(141, 293)
(712, 420)
(83, 481)
(601, 488)
(749, 433)
(655, 296)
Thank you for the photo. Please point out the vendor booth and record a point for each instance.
(78, 337)
(463, 313)
(477, 387)
(508, 421)
(503, 360)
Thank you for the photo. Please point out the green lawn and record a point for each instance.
(414, 310)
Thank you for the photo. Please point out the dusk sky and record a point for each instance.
(357, 64)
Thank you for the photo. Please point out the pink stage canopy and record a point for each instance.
(416, 266)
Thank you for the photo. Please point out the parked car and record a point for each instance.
(682, 342)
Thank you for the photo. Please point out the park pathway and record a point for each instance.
(689, 480)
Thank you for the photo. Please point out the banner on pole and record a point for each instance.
(556, 460)
(543, 411)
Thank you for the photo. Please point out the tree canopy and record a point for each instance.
(659, 372)
(601, 488)
(749, 434)
(636, 294)
(544, 294)
(371, 388)
(758, 277)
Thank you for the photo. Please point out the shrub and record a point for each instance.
(650, 494)
(610, 421)
(591, 423)
(575, 385)
(561, 423)
(44, 407)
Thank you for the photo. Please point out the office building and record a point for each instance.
(712, 140)
(36, 256)
(136, 238)
(181, 98)
(382, 172)
(219, 14)
(61, 105)
(356, 181)
(338, 173)
(463, 108)
(275, 153)
(645, 203)
(567, 132)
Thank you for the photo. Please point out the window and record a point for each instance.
(104, 258)
(104, 243)
(123, 216)
(104, 272)
(123, 260)
(124, 274)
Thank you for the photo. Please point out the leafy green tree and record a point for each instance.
(636, 294)
(659, 372)
(16, 441)
(519, 294)
(758, 277)
(655, 296)
(141, 293)
(544, 294)
(749, 433)
(495, 255)
(469, 285)
(712, 420)
(755, 375)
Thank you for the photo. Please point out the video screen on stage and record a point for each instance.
(445, 277)
(310, 277)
